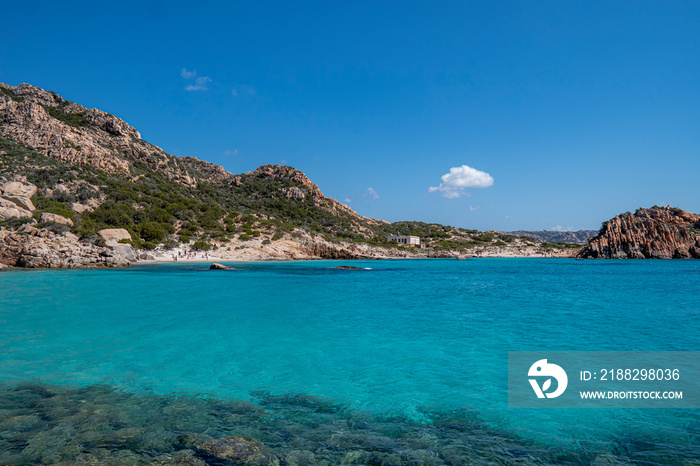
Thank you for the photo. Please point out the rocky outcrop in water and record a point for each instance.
(217, 266)
(655, 233)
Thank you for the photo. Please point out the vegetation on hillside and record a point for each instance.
(156, 210)
(164, 200)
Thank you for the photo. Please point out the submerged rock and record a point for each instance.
(184, 461)
(348, 267)
(217, 266)
(237, 450)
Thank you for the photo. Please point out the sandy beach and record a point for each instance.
(315, 248)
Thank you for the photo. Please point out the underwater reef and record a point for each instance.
(67, 425)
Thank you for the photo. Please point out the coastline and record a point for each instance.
(319, 249)
(32, 247)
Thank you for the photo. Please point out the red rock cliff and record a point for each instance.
(655, 233)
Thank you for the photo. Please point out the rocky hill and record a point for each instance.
(94, 171)
(656, 233)
(578, 237)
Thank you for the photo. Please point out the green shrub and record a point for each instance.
(201, 246)
(13, 223)
(44, 204)
(76, 120)
(113, 215)
(152, 231)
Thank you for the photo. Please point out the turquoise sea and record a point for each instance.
(402, 362)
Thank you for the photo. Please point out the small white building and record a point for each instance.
(407, 240)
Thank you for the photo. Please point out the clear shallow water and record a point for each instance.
(406, 338)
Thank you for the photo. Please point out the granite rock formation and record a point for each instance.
(38, 247)
(71, 133)
(307, 189)
(30, 246)
(654, 233)
(48, 217)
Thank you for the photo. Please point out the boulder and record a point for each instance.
(115, 234)
(293, 193)
(216, 266)
(237, 450)
(23, 202)
(17, 188)
(122, 249)
(81, 208)
(9, 209)
(47, 217)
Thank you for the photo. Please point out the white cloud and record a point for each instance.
(243, 90)
(472, 209)
(458, 179)
(370, 193)
(188, 74)
(231, 152)
(200, 84)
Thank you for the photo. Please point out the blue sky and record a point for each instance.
(565, 113)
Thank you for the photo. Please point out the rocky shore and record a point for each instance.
(48, 243)
(654, 233)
